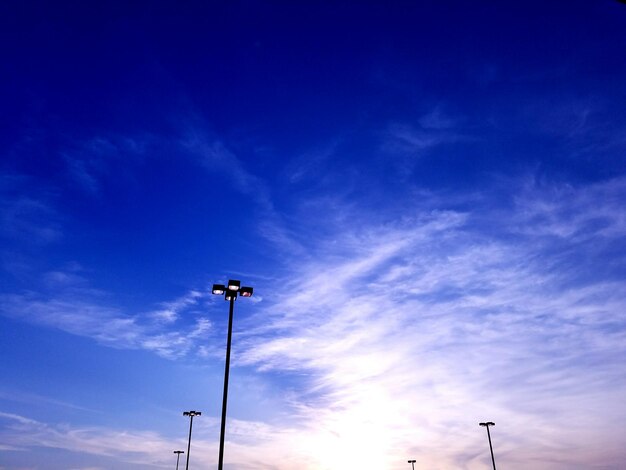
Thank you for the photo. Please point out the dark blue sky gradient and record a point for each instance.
(453, 171)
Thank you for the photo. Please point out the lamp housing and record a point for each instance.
(218, 289)
(246, 291)
(234, 285)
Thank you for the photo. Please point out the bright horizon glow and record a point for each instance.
(427, 199)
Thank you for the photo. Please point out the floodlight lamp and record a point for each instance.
(219, 289)
(246, 291)
(412, 461)
(234, 285)
(231, 295)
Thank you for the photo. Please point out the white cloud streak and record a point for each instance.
(29, 218)
(139, 447)
(110, 326)
(411, 334)
(404, 335)
(249, 442)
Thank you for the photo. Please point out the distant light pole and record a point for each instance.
(412, 462)
(178, 452)
(486, 425)
(191, 414)
(230, 293)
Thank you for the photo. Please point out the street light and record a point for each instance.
(412, 462)
(230, 293)
(178, 452)
(191, 414)
(487, 424)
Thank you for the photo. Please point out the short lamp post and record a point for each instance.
(486, 425)
(178, 452)
(230, 293)
(191, 414)
(412, 462)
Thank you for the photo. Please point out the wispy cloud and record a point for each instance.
(414, 332)
(434, 128)
(405, 143)
(110, 326)
(401, 333)
(27, 216)
(437, 118)
(214, 155)
(90, 161)
(34, 399)
(169, 311)
(139, 447)
(406, 138)
(249, 442)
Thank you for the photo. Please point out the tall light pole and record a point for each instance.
(487, 424)
(191, 414)
(178, 452)
(230, 293)
(412, 462)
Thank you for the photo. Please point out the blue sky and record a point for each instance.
(428, 198)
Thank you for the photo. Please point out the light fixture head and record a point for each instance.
(219, 289)
(231, 295)
(234, 285)
(412, 461)
(192, 413)
(488, 423)
(246, 291)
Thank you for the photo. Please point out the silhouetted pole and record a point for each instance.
(487, 424)
(412, 462)
(226, 374)
(191, 414)
(178, 452)
(230, 293)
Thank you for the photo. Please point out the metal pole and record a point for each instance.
(491, 448)
(178, 452)
(226, 372)
(189, 443)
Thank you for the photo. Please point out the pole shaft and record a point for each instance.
(189, 442)
(177, 459)
(493, 461)
(226, 372)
